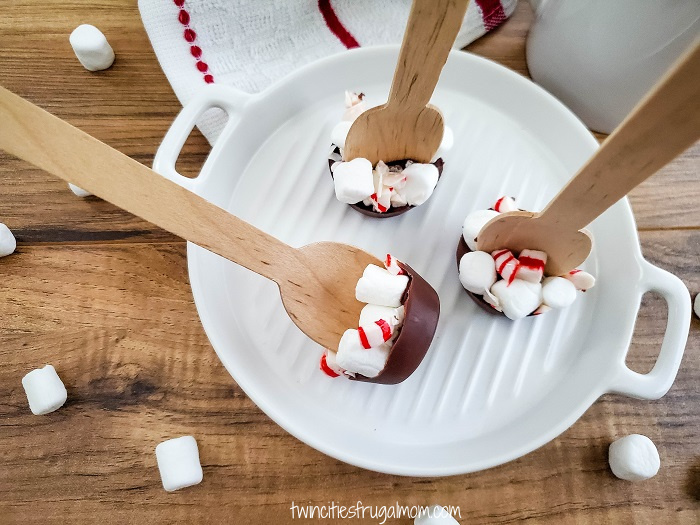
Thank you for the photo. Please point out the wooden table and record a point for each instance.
(104, 297)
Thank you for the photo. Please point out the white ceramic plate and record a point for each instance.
(489, 390)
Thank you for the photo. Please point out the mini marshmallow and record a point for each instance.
(558, 292)
(178, 463)
(354, 105)
(353, 181)
(519, 299)
(421, 180)
(392, 265)
(435, 515)
(473, 224)
(378, 286)
(375, 333)
(506, 264)
(329, 364)
(91, 48)
(505, 204)
(8, 243)
(531, 265)
(340, 132)
(582, 280)
(45, 390)
(634, 458)
(477, 272)
(446, 144)
(80, 192)
(352, 357)
(372, 312)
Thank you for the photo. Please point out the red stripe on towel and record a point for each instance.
(492, 12)
(336, 25)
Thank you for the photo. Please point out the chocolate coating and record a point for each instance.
(420, 322)
(393, 212)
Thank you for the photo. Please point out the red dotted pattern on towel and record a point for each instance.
(492, 13)
(190, 36)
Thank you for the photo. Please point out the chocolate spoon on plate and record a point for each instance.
(317, 282)
(407, 127)
(661, 126)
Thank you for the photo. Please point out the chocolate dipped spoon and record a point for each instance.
(316, 282)
(661, 126)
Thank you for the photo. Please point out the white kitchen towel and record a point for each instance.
(249, 44)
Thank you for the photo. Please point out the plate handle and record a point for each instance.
(230, 100)
(656, 383)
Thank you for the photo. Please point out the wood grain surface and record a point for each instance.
(104, 297)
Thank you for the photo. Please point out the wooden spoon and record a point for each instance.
(661, 126)
(317, 282)
(407, 127)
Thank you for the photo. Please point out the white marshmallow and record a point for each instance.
(340, 132)
(353, 180)
(392, 265)
(378, 286)
(178, 463)
(45, 390)
(505, 204)
(531, 265)
(375, 333)
(354, 106)
(80, 192)
(473, 224)
(477, 272)
(582, 280)
(435, 515)
(506, 264)
(91, 48)
(558, 292)
(372, 312)
(329, 359)
(421, 180)
(354, 358)
(446, 144)
(634, 458)
(519, 299)
(8, 243)
(696, 305)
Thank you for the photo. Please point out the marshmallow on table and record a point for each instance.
(378, 286)
(531, 265)
(80, 192)
(91, 48)
(353, 180)
(373, 312)
(505, 204)
(558, 292)
(517, 299)
(582, 280)
(421, 180)
(178, 463)
(8, 243)
(435, 515)
(353, 356)
(340, 132)
(634, 458)
(477, 272)
(45, 390)
(506, 264)
(473, 224)
(446, 144)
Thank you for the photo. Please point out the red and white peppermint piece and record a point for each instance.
(505, 204)
(327, 369)
(532, 263)
(392, 265)
(506, 264)
(581, 280)
(374, 334)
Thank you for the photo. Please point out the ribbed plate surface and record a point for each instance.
(489, 389)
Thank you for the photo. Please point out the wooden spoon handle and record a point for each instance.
(55, 146)
(661, 126)
(430, 33)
